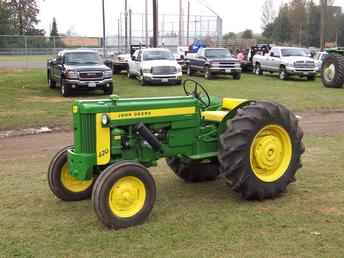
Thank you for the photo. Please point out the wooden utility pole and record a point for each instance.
(104, 32)
(188, 26)
(155, 23)
(146, 23)
(126, 24)
(323, 13)
(180, 36)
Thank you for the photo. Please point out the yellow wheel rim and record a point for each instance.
(127, 197)
(271, 153)
(71, 183)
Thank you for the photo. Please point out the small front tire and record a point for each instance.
(124, 195)
(62, 184)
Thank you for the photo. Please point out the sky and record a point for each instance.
(84, 17)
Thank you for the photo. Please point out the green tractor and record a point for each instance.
(255, 146)
(332, 70)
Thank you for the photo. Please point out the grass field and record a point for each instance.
(189, 220)
(24, 57)
(26, 100)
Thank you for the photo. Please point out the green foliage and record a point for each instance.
(229, 35)
(6, 27)
(247, 34)
(54, 32)
(298, 22)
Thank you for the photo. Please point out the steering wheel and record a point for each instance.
(195, 89)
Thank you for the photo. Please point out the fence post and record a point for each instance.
(26, 52)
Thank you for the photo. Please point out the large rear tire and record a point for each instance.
(194, 172)
(332, 71)
(260, 150)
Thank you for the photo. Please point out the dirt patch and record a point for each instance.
(43, 99)
(323, 123)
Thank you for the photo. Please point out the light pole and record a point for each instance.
(104, 39)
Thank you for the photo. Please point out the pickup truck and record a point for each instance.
(155, 65)
(286, 61)
(212, 61)
(79, 69)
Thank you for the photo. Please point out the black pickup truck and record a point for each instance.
(79, 69)
(212, 61)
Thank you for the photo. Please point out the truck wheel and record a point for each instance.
(194, 172)
(237, 76)
(188, 70)
(142, 80)
(66, 90)
(207, 73)
(108, 90)
(311, 78)
(51, 82)
(258, 70)
(130, 76)
(123, 195)
(260, 150)
(283, 75)
(62, 184)
(332, 71)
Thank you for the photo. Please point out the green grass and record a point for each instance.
(26, 100)
(24, 57)
(188, 220)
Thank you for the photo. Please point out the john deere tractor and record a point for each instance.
(332, 70)
(255, 146)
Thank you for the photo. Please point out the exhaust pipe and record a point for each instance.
(147, 135)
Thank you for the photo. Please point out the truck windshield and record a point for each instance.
(82, 58)
(293, 52)
(157, 55)
(217, 53)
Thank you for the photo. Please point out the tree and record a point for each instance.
(268, 13)
(297, 20)
(247, 34)
(54, 32)
(281, 30)
(312, 33)
(229, 35)
(25, 16)
(6, 27)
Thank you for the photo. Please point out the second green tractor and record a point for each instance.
(255, 146)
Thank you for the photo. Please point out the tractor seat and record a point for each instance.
(214, 116)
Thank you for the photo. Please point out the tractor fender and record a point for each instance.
(231, 114)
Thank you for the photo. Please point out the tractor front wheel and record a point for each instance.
(194, 172)
(260, 150)
(123, 195)
(64, 185)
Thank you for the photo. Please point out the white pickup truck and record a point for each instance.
(155, 65)
(286, 61)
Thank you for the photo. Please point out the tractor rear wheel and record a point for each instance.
(62, 184)
(123, 195)
(194, 172)
(332, 71)
(260, 150)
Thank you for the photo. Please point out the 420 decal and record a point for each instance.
(103, 153)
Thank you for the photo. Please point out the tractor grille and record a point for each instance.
(304, 64)
(87, 133)
(164, 70)
(91, 76)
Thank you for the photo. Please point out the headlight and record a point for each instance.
(237, 64)
(146, 70)
(215, 64)
(105, 120)
(291, 64)
(72, 75)
(108, 74)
